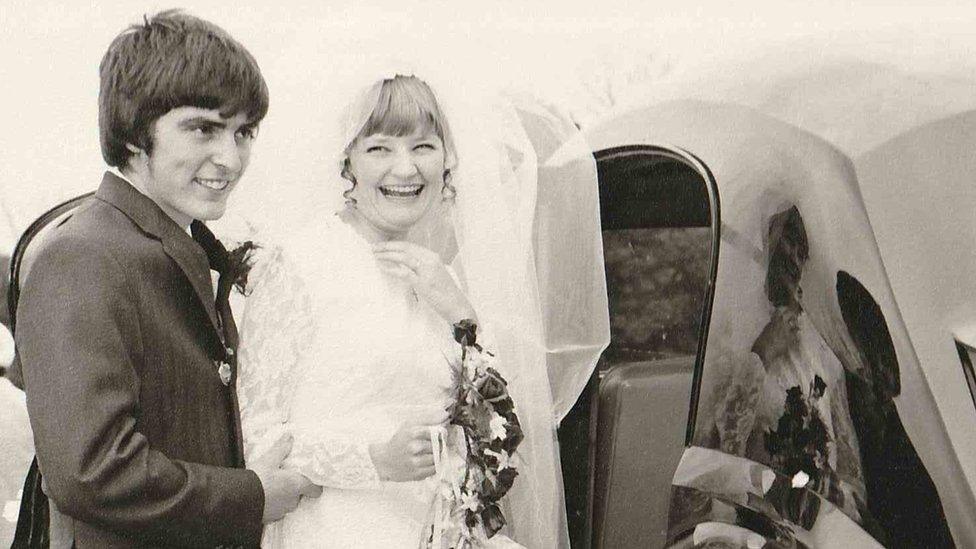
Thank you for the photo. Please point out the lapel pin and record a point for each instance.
(223, 370)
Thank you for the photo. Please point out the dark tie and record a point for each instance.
(222, 262)
(229, 266)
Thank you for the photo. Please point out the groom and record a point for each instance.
(128, 362)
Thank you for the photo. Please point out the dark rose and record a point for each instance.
(472, 416)
(504, 407)
(490, 490)
(480, 414)
(239, 265)
(492, 518)
(491, 385)
(465, 332)
(470, 519)
(506, 477)
(513, 435)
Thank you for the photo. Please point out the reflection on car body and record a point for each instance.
(811, 419)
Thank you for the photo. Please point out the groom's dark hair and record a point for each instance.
(172, 60)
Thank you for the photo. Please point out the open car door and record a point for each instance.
(659, 247)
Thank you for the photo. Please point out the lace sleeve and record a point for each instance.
(275, 326)
(278, 332)
(337, 460)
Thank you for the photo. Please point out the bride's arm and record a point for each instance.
(273, 330)
(336, 460)
(278, 331)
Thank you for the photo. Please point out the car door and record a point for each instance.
(659, 212)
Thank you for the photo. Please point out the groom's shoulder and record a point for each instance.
(100, 223)
(95, 231)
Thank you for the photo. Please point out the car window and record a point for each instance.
(656, 281)
(657, 244)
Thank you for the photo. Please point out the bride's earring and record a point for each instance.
(448, 192)
(346, 174)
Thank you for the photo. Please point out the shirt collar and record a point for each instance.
(118, 174)
(142, 210)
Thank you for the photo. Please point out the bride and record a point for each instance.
(346, 334)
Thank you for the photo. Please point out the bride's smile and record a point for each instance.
(398, 179)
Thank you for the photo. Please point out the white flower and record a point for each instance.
(800, 479)
(497, 425)
(470, 501)
(476, 362)
(504, 460)
(12, 508)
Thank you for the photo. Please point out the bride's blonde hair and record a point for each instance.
(404, 105)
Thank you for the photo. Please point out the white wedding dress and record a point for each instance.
(338, 353)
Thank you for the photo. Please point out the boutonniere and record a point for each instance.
(238, 264)
(233, 265)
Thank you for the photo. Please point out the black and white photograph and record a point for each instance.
(488, 275)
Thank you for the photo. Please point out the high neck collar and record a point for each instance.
(141, 209)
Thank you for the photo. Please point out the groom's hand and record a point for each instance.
(409, 454)
(282, 488)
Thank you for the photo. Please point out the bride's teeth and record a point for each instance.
(401, 190)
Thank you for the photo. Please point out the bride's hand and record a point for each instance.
(408, 455)
(427, 275)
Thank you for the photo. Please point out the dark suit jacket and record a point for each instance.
(136, 435)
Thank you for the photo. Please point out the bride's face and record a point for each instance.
(398, 178)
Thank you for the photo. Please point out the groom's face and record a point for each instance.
(197, 158)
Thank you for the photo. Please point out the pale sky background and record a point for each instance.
(561, 50)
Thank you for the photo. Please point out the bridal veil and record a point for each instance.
(522, 233)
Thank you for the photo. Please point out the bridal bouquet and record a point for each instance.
(473, 454)
(799, 448)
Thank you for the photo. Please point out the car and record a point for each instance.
(826, 400)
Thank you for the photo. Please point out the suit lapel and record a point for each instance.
(191, 260)
(178, 245)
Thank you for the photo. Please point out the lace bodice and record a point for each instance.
(336, 353)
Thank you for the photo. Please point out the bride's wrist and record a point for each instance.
(458, 310)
